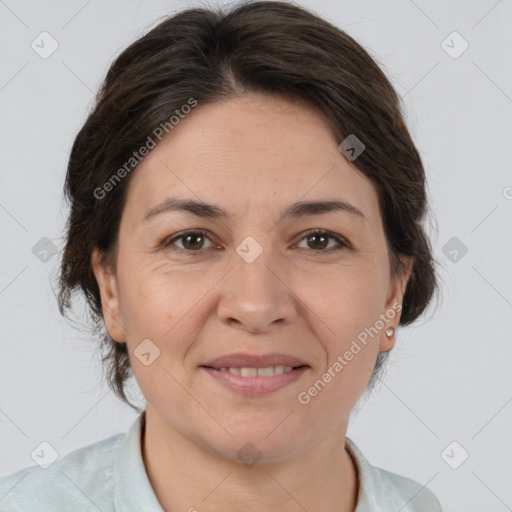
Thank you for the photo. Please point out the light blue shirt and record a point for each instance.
(110, 476)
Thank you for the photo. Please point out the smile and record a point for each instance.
(269, 371)
(252, 381)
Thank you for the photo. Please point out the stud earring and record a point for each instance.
(390, 332)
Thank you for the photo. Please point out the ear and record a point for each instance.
(109, 292)
(394, 303)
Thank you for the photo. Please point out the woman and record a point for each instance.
(245, 222)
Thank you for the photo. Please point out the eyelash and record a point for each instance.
(167, 244)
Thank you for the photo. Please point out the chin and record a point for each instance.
(251, 445)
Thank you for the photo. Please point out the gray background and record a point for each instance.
(448, 379)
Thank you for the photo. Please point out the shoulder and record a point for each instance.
(385, 491)
(82, 478)
(412, 496)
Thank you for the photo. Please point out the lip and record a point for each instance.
(256, 386)
(259, 385)
(240, 360)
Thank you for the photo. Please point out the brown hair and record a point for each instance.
(210, 55)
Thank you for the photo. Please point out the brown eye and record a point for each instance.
(191, 241)
(194, 241)
(319, 240)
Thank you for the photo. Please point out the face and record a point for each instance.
(253, 281)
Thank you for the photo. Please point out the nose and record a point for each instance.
(256, 296)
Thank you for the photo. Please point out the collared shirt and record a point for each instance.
(110, 476)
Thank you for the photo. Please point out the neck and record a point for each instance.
(188, 476)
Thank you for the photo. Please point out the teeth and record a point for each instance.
(269, 371)
(266, 372)
(249, 372)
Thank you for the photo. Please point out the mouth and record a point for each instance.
(252, 375)
(244, 360)
(251, 371)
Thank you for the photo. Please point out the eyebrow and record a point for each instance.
(294, 211)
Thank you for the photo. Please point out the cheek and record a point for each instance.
(346, 309)
(351, 356)
(153, 297)
(347, 299)
(157, 305)
(167, 307)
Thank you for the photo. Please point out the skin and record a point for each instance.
(252, 156)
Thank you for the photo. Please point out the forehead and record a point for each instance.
(255, 149)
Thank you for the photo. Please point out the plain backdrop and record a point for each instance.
(447, 390)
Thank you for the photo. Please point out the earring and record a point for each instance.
(390, 332)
